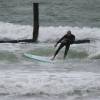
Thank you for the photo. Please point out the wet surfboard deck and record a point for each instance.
(38, 58)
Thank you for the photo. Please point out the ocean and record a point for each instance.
(75, 78)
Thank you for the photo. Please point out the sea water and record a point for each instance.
(75, 78)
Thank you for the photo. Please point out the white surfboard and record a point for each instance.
(38, 58)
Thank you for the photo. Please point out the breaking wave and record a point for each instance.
(44, 83)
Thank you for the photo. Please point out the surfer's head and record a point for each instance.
(69, 32)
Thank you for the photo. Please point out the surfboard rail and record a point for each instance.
(38, 58)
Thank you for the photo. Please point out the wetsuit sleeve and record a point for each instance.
(60, 40)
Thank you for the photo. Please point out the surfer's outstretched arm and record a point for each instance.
(59, 41)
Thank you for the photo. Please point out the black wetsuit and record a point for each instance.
(66, 40)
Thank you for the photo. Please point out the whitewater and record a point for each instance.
(75, 78)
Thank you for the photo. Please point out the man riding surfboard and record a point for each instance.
(66, 40)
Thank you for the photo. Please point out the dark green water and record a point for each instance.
(55, 13)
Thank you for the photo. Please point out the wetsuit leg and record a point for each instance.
(66, 50)
(61, 46)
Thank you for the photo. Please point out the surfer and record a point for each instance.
(66, 40)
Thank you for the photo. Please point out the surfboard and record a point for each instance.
(38, 58)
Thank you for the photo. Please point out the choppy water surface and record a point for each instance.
(75, 78)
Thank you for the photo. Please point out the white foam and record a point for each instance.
(14, 31)
(94, 56)
(51, 33)
(19, 83)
